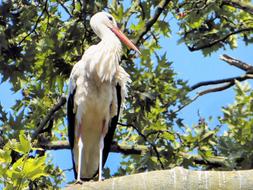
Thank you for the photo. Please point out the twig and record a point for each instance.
(186, 104)
(65, 8)
(48, 117)
(145, 139)
(36, 24)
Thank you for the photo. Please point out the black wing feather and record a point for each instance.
(71, 126)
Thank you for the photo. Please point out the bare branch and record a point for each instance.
(237, 63)
(65, 8)
(226, 83)
(227, 80)
(231, 61)
(49, 116)
(217, 89)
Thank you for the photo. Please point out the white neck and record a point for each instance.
(105, 57)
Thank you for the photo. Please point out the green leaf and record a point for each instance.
(24, 144)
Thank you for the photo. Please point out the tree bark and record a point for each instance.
(175, 179)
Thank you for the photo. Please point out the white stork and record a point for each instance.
(97, 87)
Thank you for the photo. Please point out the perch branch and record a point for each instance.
(174, 179)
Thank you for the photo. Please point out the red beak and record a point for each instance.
(124, 39)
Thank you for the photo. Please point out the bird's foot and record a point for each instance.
(79, 181)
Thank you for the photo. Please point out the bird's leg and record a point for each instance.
(101, 147)
(80, 151)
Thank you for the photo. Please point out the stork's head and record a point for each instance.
(104, 25)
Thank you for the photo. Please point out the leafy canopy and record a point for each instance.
(42, 39)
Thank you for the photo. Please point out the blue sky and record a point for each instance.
(190, 66)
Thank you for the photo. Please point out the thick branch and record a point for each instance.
(247, 7)
(139, 150)
(49, 116)
(237, 63)
(174, 179)
(152, 20)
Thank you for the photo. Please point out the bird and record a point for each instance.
(98, 86)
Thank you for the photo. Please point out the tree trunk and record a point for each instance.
(175, 179)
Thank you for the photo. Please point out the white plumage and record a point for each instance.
(93, 99)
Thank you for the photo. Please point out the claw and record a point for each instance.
(78, 182)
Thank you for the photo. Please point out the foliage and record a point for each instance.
(26, 169)
(40, 42)
(211, 25)
(236, 144)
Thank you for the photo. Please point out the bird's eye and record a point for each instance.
(110, 18)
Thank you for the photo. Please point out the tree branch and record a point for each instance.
(226, 83)
(231, 61)
(247, 7)
(214, 42)
(65, 8)
(152, 20)
(138, 150)
(220, 81)
(146, 139)
(217, 89)
(237, 63)
(49, 116)
(36, 24)
(174, 179)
